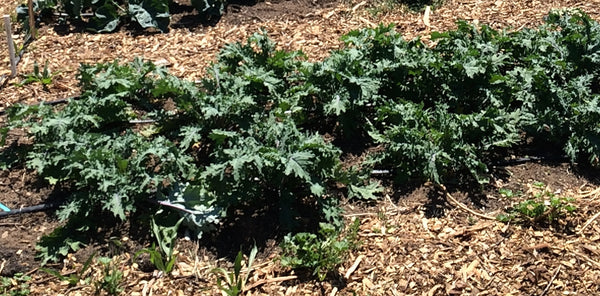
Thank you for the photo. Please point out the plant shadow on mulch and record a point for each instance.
(514, 175)
(260, 224)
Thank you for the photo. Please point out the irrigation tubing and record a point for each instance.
(31, 209)
(59, 101)
(52, 103)
(50, 206)
(64, 101)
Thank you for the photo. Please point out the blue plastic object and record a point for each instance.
(4, 208)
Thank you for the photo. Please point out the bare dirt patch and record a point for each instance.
(19, 233)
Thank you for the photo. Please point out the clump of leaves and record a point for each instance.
(272, 161)
(233, 283)
(543, 208)
(435, 144)
(61, 241)
(507, 193)
(43, 77)
(320, 253)
(17, 285)
(112, 278)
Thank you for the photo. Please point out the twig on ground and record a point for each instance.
(590, 192)
(463, 206)
(32, 271)
(588, 259)
(434, 289)
(9, 224)
(334, 291)
(44, 280)
(551, 280)
(354, 266)
(387, 198)
(148, 287)
(396, 210)
(588, 222)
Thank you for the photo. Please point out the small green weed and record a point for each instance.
(472, 221)
(383, 7)
(322, 253)
(505, 192)
(44, 77)
(162, 262)
(543, 207)
(233, 283)
(74, 278)
(112, 278)
(15, 286)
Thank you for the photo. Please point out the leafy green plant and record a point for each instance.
(233, 283)
(433, 144)
(544, 207)
(319, 253)
(209, 9)
(90, 146)
(112, 278)
(164, 258)
(150, 13)
(15, 286)
(505, 192)
(73, 278)
(61, 241)
(44, 77)
(271, 162)
(107, 14)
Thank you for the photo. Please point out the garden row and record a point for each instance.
(102, 16)
(266, 128)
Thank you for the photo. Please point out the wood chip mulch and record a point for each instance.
(404, 251)
(187, 52)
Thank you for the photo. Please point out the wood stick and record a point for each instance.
(590, 192)
(354, 266)
(551, 280)
(32, 31)
(588, 259)
(588, 222)
(11, 46)
(464, 207)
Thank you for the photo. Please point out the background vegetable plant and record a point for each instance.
(102, 16)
